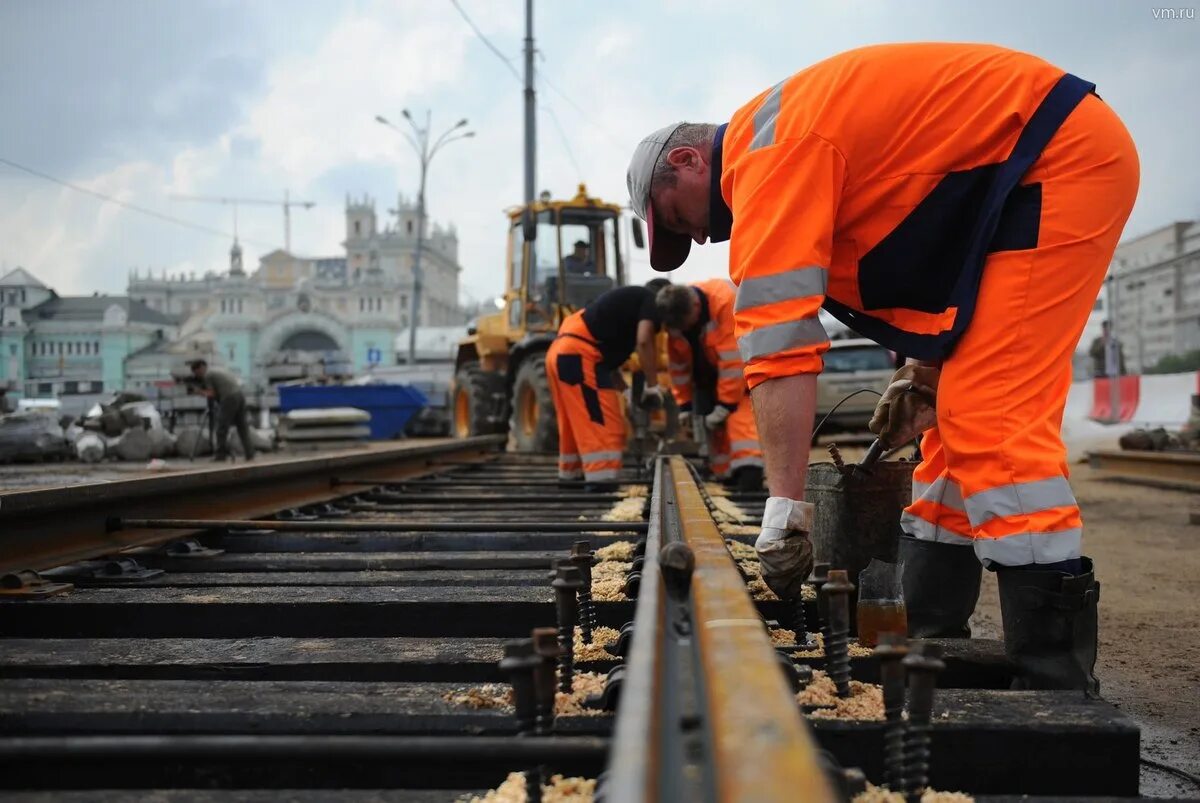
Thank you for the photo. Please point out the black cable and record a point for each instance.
(1173, 770)
(817, 429)
(487, 42)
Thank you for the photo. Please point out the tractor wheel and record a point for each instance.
(533, 425)
(477, 407)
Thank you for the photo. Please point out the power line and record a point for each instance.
(125, 204)
(507, 61)
(587, 117)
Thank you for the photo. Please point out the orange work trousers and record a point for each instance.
(591, 427)
(994, 473)
(735, 444)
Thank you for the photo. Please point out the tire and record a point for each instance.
(533, 424)
(477, 405)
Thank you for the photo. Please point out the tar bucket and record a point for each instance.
(857, 518)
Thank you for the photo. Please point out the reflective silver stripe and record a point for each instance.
(1019, 499)
(680, 380)
(1025, 548)
(928, 531)
(810, 280)
(597, 457)
(942, 491)
(738, 446)
(781, 337)
(742, 462)
(568, 459)
(728, 356)
(729, 373)
(679, 366)
(566, 474)
(602, 474)
(710, 327)
(764, 119)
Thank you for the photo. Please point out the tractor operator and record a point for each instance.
(707, 377)
(578, 263)
(959, 204)
(584, 367)
(223, 388)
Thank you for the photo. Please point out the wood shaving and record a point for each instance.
(608, 581)
(759, 591)
(559, 790)
(630, 509)
(739, 529)
(617, 550)
(602, 637)
(631, 491)
(864, 703)
(715, 489)
(583, 686)
(781, 635)
(854, 649)
(725, 511)
(741, 551)
(489, 695)
(881, 794)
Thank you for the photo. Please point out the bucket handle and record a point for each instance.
(817, 429)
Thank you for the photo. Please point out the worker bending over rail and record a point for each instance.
(222, 388)
(584, 364)
(957, 203)
(706, 377)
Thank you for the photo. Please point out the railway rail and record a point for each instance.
(348, 628)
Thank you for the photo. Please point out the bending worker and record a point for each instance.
(958, 204)
(223, 388)
(707, 379)
(583, 365)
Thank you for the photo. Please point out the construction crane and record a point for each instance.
(287, 203)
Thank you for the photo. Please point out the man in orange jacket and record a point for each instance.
(706, 377)
(960, 204)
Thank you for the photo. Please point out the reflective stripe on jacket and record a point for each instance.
(869, 181)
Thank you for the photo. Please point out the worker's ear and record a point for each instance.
(685, 157)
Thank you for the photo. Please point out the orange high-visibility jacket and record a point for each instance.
(718, 364)
(876, 183)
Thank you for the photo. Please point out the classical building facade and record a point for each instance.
(293, 316)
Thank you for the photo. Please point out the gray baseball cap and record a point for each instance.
(668, 249)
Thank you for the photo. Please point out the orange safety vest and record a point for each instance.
(875, 184)
(708, 361)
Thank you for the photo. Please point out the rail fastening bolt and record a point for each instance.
(566, 586)
(892, 649)
(837, 642)
(582, 557)
(922, 663)
(519, 663)
(820, 611)
(545, 646)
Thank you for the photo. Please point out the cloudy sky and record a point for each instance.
(143, 99)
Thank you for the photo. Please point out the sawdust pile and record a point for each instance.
(864, 703)
(726, 512)
(630, 491)
(602, 637)
(781, 635)
(759, 591)
(881, 794)
(741, 551)
(559, 790)
(608, 581)
(855, 649)
(617, 550)
(629, 509)
(489, 695)
(739, 529)
(715, 489)
(583, 686)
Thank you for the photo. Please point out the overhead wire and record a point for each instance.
(487, 42)
(126, 205)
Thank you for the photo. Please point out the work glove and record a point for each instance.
(652, 398)
(685, 420)
(717, 417)
(908, 406)
(785, 553)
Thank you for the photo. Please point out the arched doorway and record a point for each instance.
(309, 340)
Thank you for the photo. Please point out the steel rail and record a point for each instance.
(40, 529)
(120, 524)
(703, 683)
(1166, 469)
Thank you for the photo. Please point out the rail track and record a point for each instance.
(325, 629)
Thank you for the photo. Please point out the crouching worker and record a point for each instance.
(583, 365)
(223, 388)
(707, 379)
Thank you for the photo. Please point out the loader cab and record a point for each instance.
(562, 254)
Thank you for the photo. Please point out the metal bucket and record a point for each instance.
(858, 518)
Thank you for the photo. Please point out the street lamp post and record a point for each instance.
(419, 140)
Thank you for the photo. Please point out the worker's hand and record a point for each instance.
(908, 406)
(785, 553)
(652, 398)
(717, 417)
(685, 420)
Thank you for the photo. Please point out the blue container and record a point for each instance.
(390, 406)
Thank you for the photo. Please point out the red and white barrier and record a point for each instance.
(1151, 400)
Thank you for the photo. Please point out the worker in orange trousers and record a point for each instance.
(959, 204)
(706, 377)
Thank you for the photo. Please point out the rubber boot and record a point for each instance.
(941, 587)
(1050, 626)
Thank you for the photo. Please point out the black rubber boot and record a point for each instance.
(748, 479)
(941, 587)
(1050, 626)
